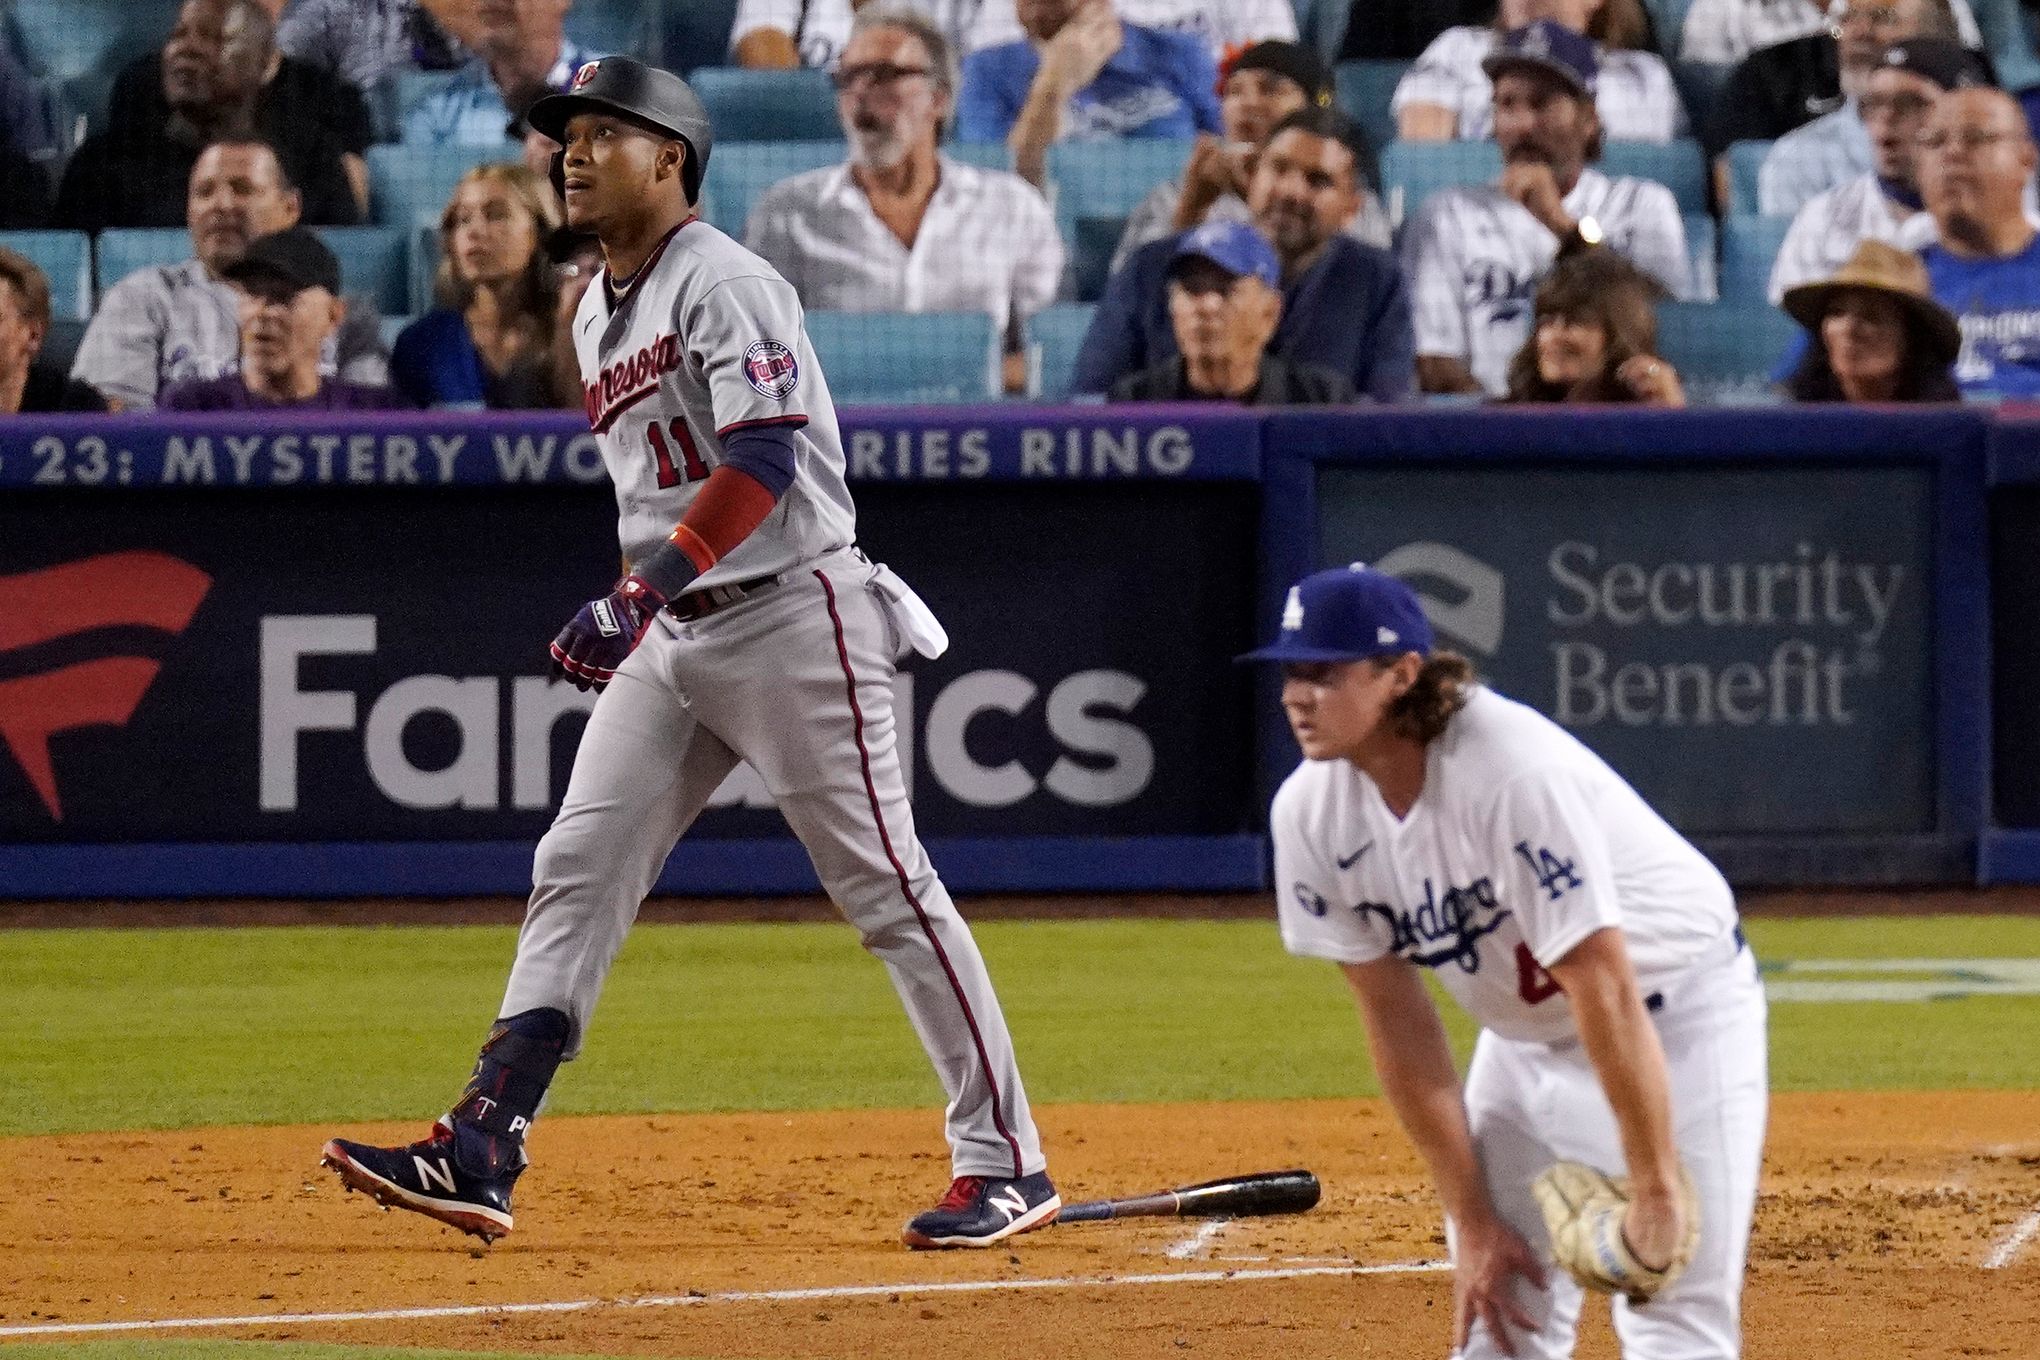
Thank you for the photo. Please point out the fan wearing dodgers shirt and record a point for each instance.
(747, 628)
(1474, 254)
(1437, 827)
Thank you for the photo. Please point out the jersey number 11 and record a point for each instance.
(690, 456)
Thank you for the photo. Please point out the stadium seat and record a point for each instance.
(392, 327)
(1700, 253)
(373, 260)
(697, 33)
(1699, 84)
(1749, 247)
(1097, 186)
(1412, 171)
(906, 357)
(1724, 352)
(1745, 159)
(767, 106)
(1058, 333)
(410, 184)
(1364, 90)
(735, 182)
(616, 27)
(65, 258)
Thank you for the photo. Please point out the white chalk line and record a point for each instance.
(2005, 1252)
(1193, 1246)
(852, 1291)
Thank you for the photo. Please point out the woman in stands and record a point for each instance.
(1874, 332)
(1595, 338)
(1447, 95)
(489, 341)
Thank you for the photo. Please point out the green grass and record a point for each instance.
(245, 1350)
(178, 1028)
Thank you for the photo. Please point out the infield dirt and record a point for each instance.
(1878, 1212)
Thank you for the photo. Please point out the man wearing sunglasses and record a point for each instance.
(900, 227)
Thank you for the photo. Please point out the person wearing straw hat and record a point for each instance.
(1874, 332)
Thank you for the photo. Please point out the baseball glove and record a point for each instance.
(1583, 1210)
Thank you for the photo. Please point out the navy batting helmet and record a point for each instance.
(644, 94)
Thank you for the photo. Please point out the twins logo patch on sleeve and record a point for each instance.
(771, 369)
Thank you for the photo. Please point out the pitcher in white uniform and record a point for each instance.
(747, 627)
(1435, 826)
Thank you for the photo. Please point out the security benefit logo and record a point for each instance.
(67, 634)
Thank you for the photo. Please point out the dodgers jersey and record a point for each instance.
(1522, 843)
(1474, 258)
(706, 340)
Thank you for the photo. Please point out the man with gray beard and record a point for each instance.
(901, 227)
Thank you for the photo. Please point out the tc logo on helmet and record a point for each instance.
(586, 74)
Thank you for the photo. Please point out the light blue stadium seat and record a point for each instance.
(1724, 351)
(1744, 160)
(65, 258)
(938, 357)
(410, 184)
(1416, 170)
(1364, 90)
(374, 261)
(1749, 247)
(1058, 332)
(767, 106)
(1701, 249)
(735, 181)
(1097, 186)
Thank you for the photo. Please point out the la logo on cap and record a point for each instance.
(1292, 611)
(586, 73)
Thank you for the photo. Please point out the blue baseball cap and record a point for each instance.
(1549, 46)
(1348, 614)
(1236, 247)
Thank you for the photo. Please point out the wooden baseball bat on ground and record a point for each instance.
(1261, 1192)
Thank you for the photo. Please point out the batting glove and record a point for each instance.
(603, 632)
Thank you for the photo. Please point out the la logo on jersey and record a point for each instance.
(771, 369)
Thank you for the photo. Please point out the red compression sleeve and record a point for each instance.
(732, 503)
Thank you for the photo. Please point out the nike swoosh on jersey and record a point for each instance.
(1348, 861)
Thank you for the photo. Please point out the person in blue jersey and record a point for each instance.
(1976, 155)
(1082, 72)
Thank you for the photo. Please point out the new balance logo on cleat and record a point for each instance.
(428, 1179)
(981, 1210)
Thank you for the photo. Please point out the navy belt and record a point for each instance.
(697, 604)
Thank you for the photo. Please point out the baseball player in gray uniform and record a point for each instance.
(747, 627)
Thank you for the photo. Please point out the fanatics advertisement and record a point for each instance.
(1749, 647)
(205, 666)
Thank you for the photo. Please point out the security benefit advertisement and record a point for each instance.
(1748, 647)
(219, 665)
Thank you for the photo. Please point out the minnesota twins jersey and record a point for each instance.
(1474, 257)
(707, 339)
(1522, 843)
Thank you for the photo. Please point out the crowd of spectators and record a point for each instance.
(1275, 269)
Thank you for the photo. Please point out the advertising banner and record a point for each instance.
(1749, 648)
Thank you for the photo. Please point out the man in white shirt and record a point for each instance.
(1446, 95)
(1474, 255)
(782, 34)
(1723, 32)
(1222, 25)
(172, 323)
(1435, 827)
(1834, 148)
(900, 227)
(1883, 205)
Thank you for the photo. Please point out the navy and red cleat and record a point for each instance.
(981, 1210)
(426, 1178)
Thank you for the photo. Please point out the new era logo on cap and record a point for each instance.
(1386, 637)
(1292, 611)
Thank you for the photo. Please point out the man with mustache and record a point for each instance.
(1474, 255)
(288, 287)
(1344, 306)
(901, 227)
(166, 323)
(1976, 157)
